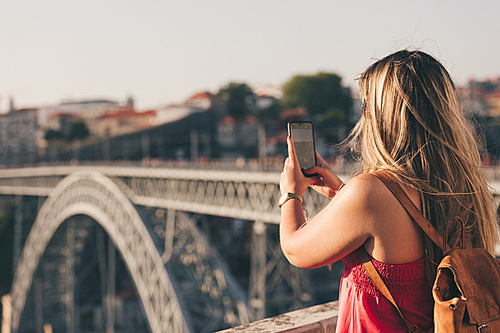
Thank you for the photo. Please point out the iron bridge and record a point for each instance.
(158, 221)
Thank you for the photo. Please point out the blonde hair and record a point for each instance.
(413, 127)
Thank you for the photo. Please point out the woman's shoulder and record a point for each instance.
(369, 190)
(365, 179)
(365, 183)
(388, 220)
(371, 182)
(365, 190)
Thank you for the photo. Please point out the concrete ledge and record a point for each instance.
(316, 319)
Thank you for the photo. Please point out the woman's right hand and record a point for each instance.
(292, 179)
(327, 182)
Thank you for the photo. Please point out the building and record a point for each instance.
(482, 97)
(197, 103)
(89, 109)
(237, 137)
(18, 137)
(120, 121)
(61, 122)
(493, 104)
(174, 112)
(104, 118)
(202, 100)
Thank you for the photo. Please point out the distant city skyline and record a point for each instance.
(162, 52)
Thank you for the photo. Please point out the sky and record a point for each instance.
(163, 51)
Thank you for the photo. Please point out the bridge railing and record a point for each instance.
(315, 319)
(242, 195)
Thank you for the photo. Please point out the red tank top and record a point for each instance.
(362, 308)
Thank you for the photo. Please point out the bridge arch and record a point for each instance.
(95, 195)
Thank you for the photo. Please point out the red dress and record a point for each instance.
(362, 308)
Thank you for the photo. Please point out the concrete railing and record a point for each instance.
(315, 319)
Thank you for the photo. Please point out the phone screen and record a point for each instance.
(303, 138)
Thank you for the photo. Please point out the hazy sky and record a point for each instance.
(163, 51)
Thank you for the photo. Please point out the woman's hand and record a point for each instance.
(292, 179)
(326, 182)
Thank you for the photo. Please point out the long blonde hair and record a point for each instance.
(413, 127)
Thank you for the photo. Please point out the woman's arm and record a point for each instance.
(341, 227)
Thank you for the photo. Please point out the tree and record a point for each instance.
(79, 131)
(53, 135)
(239, 99)
(324, 97)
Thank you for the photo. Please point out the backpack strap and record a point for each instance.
(410, 207)
(379, 283)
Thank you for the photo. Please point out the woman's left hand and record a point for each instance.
(326, 181)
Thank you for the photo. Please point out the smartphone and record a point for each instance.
(302, 133)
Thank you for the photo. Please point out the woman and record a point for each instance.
(412, 128)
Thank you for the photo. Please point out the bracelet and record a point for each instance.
(287, 196)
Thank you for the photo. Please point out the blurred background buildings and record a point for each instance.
(237, 123)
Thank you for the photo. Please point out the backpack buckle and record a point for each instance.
(484, 329)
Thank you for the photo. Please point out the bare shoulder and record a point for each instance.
(367, 181)
(367, 195)
(397, 236)
(368, 184)
(367, 189)
(364, 197)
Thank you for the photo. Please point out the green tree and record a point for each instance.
(239, 99)
(324, 97)
(79, 131)
(52, 135)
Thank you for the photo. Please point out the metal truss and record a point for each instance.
(98, 197)
(243, 195)
(204, 287)
(209, 292)
(275, 286)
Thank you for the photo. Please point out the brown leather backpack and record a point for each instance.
(466, 291)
